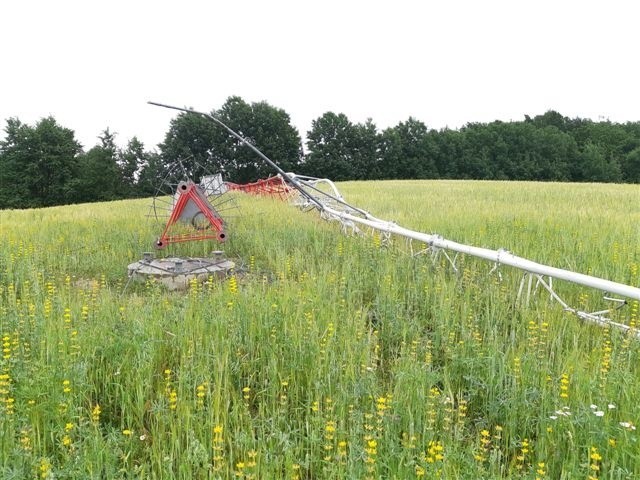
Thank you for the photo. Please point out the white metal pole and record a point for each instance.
(501, 257)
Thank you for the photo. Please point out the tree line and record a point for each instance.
(44, 165)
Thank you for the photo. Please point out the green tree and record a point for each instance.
(38, 164)
(516, 151)
(342, 150)
(513, 153)
(365, 151)
(193, 143)
(476, 160)
(14, 189)
(596, 166)
(446, 146)
(130, 162)
(329, 143)
(614, 140)
(151, 175)
(551, 118)
(406, 151)
(98, 177)
(266, 127)
(555, 153)
(631, 166)
(200, 146)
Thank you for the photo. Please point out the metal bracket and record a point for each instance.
(599, 317)
(496, 265)
(436, 252)
(385, 238)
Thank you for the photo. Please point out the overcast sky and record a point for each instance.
(94, 64)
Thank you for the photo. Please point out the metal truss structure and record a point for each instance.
(322, 195)
(535, 277)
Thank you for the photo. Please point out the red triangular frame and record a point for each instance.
(213, 231)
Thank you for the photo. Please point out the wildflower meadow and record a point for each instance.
(323, 355)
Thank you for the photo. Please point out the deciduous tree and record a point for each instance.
(195, 141)
(38, 164)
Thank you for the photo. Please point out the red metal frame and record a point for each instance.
(213, 231)
(272, 186)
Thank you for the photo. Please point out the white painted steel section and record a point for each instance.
(304, 184)
(501, 257)
(315, 181)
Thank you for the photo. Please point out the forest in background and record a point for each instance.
(43, 164)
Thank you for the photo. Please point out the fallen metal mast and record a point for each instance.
(332, 206)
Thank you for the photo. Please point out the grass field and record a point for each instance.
(325, 356)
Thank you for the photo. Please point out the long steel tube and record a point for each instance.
(501, 257)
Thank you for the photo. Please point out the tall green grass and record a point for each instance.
(325, 356)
